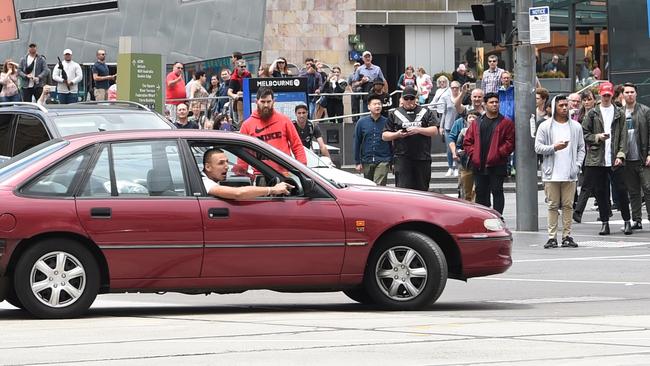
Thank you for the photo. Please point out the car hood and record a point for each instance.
(341, 176)
(421, 196)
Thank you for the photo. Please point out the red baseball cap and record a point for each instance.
(606, 88)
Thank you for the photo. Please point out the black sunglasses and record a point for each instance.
(409, 98)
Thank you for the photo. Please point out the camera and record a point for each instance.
(343, 83)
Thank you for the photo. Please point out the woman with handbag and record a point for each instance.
(9, 82)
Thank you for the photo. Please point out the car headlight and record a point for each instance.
(493, 224)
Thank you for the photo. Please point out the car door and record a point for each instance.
(134, 205)
(271, 236)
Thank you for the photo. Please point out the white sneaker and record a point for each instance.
(455, 172)
(449, 172)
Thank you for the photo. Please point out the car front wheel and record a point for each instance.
(56, 278)
(406, 270)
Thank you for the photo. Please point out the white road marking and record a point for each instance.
(557, 300)
(622, 257)
(629, 283)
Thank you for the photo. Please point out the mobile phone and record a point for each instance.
(472, 85)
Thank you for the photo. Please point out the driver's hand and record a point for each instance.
(281, 188)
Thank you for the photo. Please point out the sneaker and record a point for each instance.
(637, 225)
(449, 172)
(455, 172)
(567, 242)
(551, 243)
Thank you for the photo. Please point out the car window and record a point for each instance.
(59, 180)
(83, 123)
(29, 133)
(29, 157)
(5, 134)
(247, 166)
(151, 168)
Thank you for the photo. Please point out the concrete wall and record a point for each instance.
(181, 31)
(430, 47)
(309, 28)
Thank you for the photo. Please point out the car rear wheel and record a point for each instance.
(56, 278)
(406, 270)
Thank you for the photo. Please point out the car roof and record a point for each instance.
(76, 108)
(94, 137)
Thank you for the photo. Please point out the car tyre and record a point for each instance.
(360, 295)
(12, 298)
(56, 278)
(406, 270)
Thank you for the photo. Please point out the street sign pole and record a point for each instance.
(526, 165)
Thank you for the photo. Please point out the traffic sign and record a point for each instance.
(540, 24)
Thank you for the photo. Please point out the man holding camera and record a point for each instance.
(561, 142)
(411, 127)
(605, 133)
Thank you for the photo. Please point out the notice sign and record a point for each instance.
(540, 24)
(8, 27)
(139, 79)
(288, 93)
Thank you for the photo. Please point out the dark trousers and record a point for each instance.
(356, 99)
(637, 179)
(334, 109)
(412, 174)
(28, 93)
(490, 182)
(68, 98)
(598, 177)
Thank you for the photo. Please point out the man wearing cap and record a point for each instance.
(366, 75)
(606, 138)
(411, 127)
(33, 70)
(101, 76)
(67, 89)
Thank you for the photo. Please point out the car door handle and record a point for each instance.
(100, 212)
(215, 213)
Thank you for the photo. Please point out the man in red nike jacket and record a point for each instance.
(273, 127)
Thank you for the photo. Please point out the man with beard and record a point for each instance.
(215, 169)
(411, 127)
(273, 127)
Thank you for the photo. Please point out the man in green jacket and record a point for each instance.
(606, 139)
(637, 163)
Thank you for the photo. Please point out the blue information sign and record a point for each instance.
(289, 92)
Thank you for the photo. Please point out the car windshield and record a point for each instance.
(82, 123)
(28, 157)
(314, 161)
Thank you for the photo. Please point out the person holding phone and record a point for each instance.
(606, 136)
(560, 141)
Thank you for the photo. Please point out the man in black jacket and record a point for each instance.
(33, 70)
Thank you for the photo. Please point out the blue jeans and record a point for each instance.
(13, 98)
(312, 109)
(68, 98)
(450, 157)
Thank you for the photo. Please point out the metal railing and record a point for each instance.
(591, 85)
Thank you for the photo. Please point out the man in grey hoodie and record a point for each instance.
(561, 142)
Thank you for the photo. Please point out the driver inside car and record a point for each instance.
(215, 169)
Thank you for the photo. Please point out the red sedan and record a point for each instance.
(127, 211)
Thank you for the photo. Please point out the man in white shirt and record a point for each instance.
(215, 170)
(606, 137)
(67, 88)
(560, 141)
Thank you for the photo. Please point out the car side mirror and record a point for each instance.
(308, 185)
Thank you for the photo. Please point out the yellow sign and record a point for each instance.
(8, 26)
